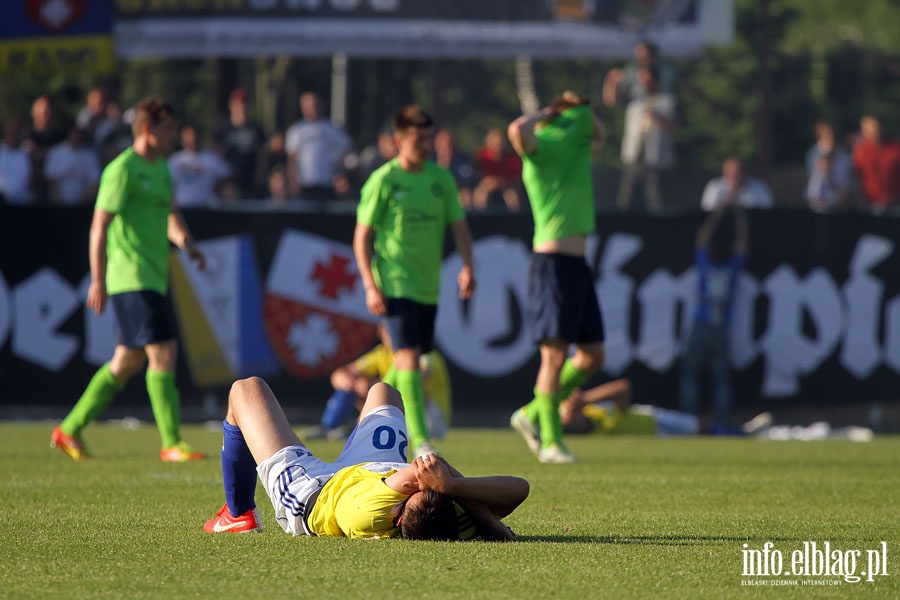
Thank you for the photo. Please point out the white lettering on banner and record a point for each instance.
(789, 352)
(616, 291)
(470, 336)
(742, 346)
(862, 296)
(660, 295)
(806, 320)
(482, 337)
(99, 330)
(42, 303)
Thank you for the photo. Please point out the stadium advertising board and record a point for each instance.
(816, 324)
(42, 36)
(465, 29)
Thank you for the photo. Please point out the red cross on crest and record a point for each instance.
(334, 276)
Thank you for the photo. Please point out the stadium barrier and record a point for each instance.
(816, 323)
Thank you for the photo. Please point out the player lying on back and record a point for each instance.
(370, 491)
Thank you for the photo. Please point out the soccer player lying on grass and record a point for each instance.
(370, 491)
(607, 408)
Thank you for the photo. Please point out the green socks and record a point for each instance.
(409, 384)
(101, 390)
(166, 405)
(390, 377)
(544, 408)
(570, 378)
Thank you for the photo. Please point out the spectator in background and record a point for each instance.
(627, 82)
(501, 172)
(278, 186)
(876, 160)
(316, 150)
(15, 165)
(93, 113)
(736, 187)
(242, 141)
(825, 190)
(196, 172)
(720, 251)
(830, 172)
(447, 155)
(113, 134)
(274, 154)
(647, 144)
(375, 155)
(43, 136)
(72, 170)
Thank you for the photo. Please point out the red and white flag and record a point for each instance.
(314, 308)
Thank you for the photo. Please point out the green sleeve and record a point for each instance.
(371, 207)
(112, 192)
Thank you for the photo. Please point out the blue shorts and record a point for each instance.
(410, 324)
(562, 303)
(143, 318)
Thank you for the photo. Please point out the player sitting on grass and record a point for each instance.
(370, 491)
(352, 382)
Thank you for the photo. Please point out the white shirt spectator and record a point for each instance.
(841, 165)
(319, 149)
(753, 193)
(195, 175)
(15, 174)
(73, 171)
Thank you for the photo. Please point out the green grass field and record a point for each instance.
(634, 518)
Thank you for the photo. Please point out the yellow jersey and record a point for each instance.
(435, 381)
(357, 503)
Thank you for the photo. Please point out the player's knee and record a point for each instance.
(244, 389)
(382, 393)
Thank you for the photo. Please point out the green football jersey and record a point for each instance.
(409, 212)
(558, 177)
(139, 193)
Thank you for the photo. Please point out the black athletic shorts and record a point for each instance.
(410, 324)
(142, 318)
(562, 303)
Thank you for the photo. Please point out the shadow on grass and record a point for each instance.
(643, 540)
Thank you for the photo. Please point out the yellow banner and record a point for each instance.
(92, 54)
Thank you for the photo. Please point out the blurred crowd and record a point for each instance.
(45, 160)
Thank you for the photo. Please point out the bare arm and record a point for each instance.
(293, 175)
(96, 299)
(521, 131)
(463, 238)
(610, 91)
(362, 250)
(501, 493)
(180, 236)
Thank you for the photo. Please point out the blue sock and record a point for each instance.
(339, 407)
(238, 471)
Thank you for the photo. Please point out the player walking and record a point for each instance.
(405, 207)
(133, 223)
(562, 306)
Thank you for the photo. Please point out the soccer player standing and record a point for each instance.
(405, 208)
(133, 223)
(562, 306)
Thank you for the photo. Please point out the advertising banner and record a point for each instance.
(816, 321)
(47, 36)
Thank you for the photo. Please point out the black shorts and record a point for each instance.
(143, 318)
(562, 303)
(410, 324)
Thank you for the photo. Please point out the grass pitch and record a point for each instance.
(636, 517)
